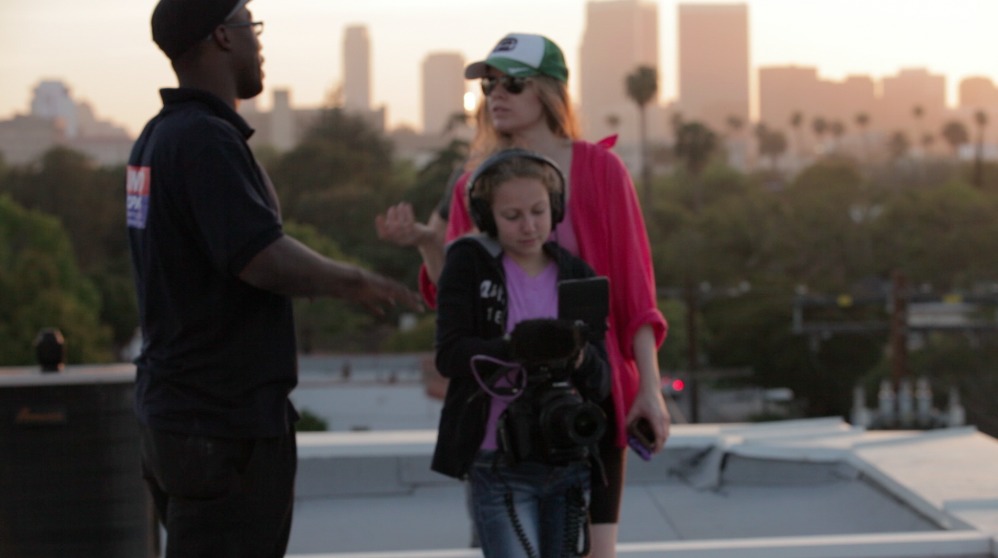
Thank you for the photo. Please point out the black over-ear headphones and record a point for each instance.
(481, 210)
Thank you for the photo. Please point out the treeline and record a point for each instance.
(746, 245)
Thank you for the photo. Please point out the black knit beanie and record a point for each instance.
(178, 25)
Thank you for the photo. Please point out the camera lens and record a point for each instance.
(586, 424)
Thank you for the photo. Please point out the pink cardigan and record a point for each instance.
(610, 230)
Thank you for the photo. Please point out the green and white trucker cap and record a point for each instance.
(522, 55)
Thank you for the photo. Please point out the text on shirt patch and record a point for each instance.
(137, 202)
(488, 289)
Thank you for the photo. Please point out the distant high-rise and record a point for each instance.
(788, 90)
(282, 122)
(52, 101)
(443, 90)
(620, 35)
(909, 89)
(356, 69)
(714, 63)
(977, 93)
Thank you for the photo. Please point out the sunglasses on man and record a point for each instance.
(512, 84)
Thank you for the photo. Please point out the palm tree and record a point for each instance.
(917, 112)
(642, 85)
(898, 145)
(955, 134)
(456, 121)
(796, 121)
(862, 122)
(981, 119)
(613, 122)
(695, 143)
(837, 128)
(735, 123)
(820, 126)
(772, 143)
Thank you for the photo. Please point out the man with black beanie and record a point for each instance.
(215, 275)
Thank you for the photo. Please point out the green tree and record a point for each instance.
(41, 286)
(327, 323)
(695, 145)
(337, 179)
(88, 202)
(642, 85)
(938, 234)
(87, 199)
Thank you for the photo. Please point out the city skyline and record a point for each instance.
(107, 58)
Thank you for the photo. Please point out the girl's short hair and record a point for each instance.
(508, 165)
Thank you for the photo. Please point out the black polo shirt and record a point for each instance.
(218, 355)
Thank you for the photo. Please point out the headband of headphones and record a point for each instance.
(481, 212)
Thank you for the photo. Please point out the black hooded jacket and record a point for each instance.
(471, 320)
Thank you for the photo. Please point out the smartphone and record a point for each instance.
(641, 438)
(586, 301)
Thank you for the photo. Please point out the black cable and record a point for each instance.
(517, 526)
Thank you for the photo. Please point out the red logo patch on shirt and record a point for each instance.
(137, 187)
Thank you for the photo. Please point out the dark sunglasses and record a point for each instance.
(514, 85)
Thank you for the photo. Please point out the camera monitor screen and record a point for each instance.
(585, 300)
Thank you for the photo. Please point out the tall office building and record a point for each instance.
(620, 35)
(906, 90)
(714, 63)
(283, 134)
(357, 70)
(786, 90)
(977, 93)
(52, 101)
(443, 90)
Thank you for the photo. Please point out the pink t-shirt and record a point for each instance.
(528, 298)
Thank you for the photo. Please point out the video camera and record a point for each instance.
(551, 421)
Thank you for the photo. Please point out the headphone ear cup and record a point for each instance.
(481, 214)
(557, 207)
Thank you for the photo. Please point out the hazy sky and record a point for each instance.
(103, 48)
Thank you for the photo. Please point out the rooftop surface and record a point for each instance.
(816, 488)
(809, 488)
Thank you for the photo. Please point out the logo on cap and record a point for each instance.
(507, 44)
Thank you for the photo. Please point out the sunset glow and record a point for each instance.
(104, 52)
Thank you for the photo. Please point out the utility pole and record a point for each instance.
(899, 328)
(693, 360)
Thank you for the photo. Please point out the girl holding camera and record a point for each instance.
(490, 283)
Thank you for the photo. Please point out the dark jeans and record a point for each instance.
(221, 497)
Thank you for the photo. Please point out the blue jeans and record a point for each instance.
(543, 506)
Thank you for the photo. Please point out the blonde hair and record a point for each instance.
(558, 113)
